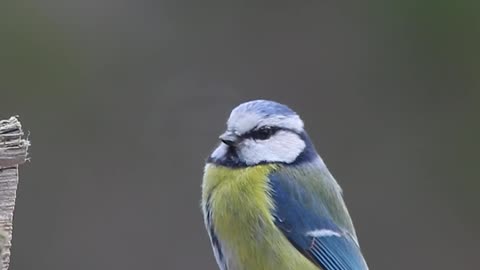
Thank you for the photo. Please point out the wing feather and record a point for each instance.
(305, 219)
(216, 246)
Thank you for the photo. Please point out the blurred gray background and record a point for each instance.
(124, 100)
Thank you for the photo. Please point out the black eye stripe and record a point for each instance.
(262, 133)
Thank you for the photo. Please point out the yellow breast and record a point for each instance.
(241, 214)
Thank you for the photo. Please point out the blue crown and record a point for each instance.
(265, 108)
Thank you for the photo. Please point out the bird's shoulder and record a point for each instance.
(311, 213)
(312, 187)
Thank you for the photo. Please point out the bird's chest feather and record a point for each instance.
(240, 210)
(239, 201)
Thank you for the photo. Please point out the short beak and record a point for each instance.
(229, 138)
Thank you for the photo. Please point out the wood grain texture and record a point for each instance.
(13, 151)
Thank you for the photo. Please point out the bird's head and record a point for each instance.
(263, 131)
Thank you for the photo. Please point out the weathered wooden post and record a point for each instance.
(13, 152)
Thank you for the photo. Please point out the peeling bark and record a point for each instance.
(13, 152)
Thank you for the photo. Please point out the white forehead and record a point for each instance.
(241, 122)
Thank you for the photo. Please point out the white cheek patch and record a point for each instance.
(284, 146)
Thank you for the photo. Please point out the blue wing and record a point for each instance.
(305, 221)
(216, 246)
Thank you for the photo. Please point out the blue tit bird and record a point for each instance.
(268, 200)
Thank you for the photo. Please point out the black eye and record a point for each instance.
(263, 133)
